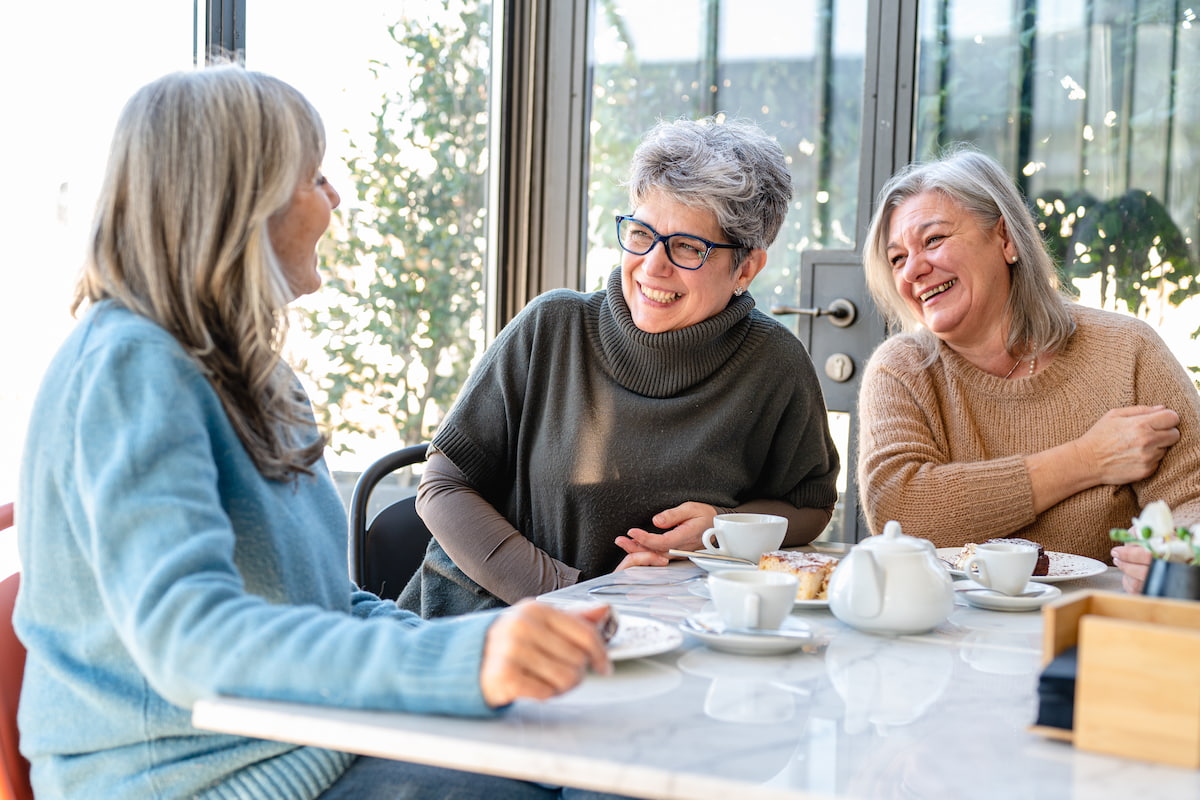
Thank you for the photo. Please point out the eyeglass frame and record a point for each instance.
(658, 237)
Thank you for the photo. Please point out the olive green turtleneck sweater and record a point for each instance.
(577, 426)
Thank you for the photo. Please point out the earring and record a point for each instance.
(1012, 260)
(738, 292)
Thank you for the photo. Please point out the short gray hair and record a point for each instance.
(1037, 304)
(731, 168)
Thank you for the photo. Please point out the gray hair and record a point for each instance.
(1037, 306)
(731, 168)
(199, 164)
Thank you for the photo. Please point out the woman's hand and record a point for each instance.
(1134, 562)
(1127, 444)
(1123, 446)
(536, 651)
(682, 528)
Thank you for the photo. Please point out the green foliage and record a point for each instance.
(1130, 243)
(407, 260)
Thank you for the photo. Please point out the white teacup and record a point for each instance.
(1003, 567)
(745, 535)
(752, 598)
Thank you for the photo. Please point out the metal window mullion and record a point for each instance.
(225, 30)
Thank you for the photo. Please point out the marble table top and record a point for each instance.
(938, 715)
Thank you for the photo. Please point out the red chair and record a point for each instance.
(14, 769)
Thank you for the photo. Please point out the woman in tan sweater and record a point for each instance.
(1003, 408)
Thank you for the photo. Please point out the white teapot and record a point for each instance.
(891, 583)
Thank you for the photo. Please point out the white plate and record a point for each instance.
(1063, 566)
(714, 564)
(700, 589)
(995, 601)
(749, 644)
(639, 637)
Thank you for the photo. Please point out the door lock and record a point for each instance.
(841, 312)
(839, 367)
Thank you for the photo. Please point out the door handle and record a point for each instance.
(841, 312)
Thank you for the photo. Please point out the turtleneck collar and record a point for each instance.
(665, 364)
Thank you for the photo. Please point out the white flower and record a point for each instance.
(1157, 517)
(1163, 541)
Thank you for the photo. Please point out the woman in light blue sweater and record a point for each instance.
(180, 535)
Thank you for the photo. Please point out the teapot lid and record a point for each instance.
(893, 540)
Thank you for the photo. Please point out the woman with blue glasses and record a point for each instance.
(601, 430)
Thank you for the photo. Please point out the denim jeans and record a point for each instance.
(384, 779)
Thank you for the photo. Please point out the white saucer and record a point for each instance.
(700, 589)
(639, 637)
(749, 644)
(995, 601)
(714, 564)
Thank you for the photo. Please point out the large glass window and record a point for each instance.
(404, 93)
(66, 78)
(1089, 104)
(794, 68)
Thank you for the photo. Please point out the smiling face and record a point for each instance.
(951, 272)
(662, 297)
(295, 231)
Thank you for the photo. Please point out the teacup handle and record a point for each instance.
(752, 609)
(710, 540)
(976, 570)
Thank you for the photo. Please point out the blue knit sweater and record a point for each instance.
(160, 567)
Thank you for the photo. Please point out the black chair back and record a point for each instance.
(388, 550)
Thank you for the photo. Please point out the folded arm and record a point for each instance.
(481, 541)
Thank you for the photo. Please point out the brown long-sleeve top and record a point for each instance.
(942, 448)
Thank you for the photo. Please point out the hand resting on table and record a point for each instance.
(1134, 562)
(536, 651)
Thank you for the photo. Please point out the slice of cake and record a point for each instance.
(812, 570)
(1042, 567)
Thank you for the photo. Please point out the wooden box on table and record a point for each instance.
(1137, 689)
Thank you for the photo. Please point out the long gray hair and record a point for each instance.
(200, 162)
(1037, 307)
(732, 169)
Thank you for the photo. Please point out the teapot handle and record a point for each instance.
(867, 599)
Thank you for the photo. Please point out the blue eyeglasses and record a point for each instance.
(683, 249)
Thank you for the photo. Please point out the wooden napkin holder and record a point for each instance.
(1137, 690)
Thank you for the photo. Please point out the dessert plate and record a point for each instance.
(996, 601)
(714, 564)
(1063, 566)
(700, 589)
(708, 628)
(639, 637)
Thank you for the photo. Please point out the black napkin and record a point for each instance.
(1056, 691)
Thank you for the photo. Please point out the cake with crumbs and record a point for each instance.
(812, 570)
(1043, 561)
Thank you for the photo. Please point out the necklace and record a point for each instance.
(1017, 363)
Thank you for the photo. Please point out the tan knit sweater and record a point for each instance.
(941, 448)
